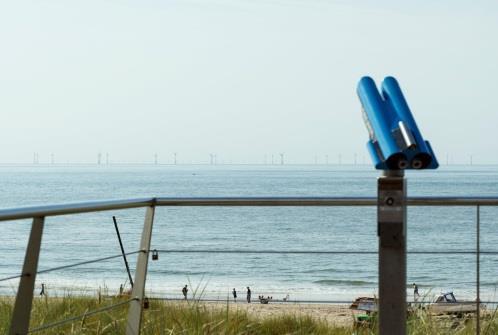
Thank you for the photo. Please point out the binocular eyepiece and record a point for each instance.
(395, 141)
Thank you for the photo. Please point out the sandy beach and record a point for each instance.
(334, 314)
(337, 315)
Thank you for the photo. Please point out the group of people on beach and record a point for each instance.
(248, 295)
(234, 293)
(262, 299)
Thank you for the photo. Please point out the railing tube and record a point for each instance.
(24, 298)
(138, 291)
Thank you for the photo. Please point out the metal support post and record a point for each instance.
(478, 270)
(391, 229)
(24, 298)
(138, 291)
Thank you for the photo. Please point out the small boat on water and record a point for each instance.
(446, 303)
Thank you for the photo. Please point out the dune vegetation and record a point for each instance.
(195, 317)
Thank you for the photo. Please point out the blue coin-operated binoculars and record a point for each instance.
(395, 145)
(395, 140)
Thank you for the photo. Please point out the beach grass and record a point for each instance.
(162, 317)
(196, 317)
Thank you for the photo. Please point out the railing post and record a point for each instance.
(478, 270)
(138, 291)
(24, 299)
(391, 229)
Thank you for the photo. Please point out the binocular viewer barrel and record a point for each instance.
(395, 141)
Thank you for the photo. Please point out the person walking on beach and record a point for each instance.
(185, 291)
(248, 295)
(415, 292)
(234, 295)
(42, 292)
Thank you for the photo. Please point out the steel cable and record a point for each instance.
(242, 251)
(73, 265)
(280, 301)
(325, 252)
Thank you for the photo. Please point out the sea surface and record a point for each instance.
(312, 276)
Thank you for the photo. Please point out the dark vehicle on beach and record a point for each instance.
(364, 311)
(264, 300)
(446, 303)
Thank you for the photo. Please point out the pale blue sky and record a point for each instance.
(240, 78)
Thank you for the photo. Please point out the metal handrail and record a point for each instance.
(105, 205)
(22, 308)
(322, 201)
(72, 208)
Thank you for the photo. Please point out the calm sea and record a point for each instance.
(78, 238)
